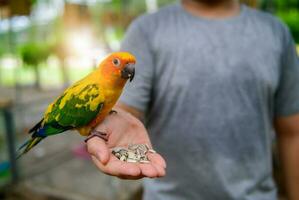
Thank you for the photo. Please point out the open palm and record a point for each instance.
(123, 129)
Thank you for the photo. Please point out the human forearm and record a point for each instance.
(289, 149)
(287, 129)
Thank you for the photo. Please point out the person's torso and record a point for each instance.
(211, 112)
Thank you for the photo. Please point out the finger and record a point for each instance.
(131, 177)
(148, 170)
(161, 170)
(158, 162)
(98, 148)
(116, 167)
(157, 159)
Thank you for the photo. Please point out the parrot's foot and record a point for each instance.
(112, 112)
(99, 134)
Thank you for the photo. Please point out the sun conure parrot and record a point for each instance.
(86, 103)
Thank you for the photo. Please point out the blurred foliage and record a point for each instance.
(111, 19)
(34, 53)
(34, 1)
(285, 4)
(2, 51)
(164, 2)
(291, 18)
(117, 12)
(288, 11)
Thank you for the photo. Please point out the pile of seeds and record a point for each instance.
(134, 153)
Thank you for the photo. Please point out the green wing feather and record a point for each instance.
(73, 110)
(77, 107)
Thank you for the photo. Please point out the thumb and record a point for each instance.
(98, 148)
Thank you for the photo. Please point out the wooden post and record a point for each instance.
(6, 110)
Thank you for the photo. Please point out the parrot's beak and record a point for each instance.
(128, 72)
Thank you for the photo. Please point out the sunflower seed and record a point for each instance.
(144, 161)
(131, 160)
(134, 153)
(152, 151)
(123, 158)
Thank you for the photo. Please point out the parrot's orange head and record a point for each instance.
(119, 65)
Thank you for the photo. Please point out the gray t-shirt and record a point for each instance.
(210, 90)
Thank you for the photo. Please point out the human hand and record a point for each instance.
(123, 129)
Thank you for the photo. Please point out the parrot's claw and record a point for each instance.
(99, 134)
(113, 112)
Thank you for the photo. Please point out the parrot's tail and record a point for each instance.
(37, 135)
(29, 145)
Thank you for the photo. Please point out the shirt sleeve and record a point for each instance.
(287, 95)
(138, 92)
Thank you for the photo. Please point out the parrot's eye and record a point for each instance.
(116, 62)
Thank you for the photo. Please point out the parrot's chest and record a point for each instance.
(111, 98)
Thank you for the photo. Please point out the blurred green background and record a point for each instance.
(45, 45)
(41, 37)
